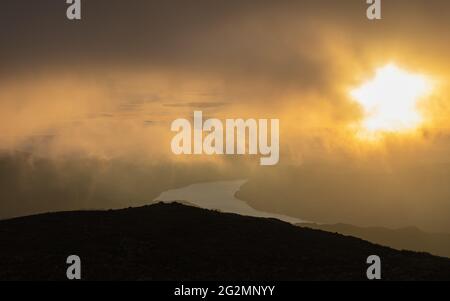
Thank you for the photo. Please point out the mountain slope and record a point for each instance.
(177, 242)
(410, 238)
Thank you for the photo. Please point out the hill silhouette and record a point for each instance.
(409, 238)
(179, 242)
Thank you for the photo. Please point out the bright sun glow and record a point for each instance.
(390, 100)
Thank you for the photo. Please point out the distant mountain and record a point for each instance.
(410, 238)
(178, 242)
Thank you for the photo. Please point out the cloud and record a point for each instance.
(196, 105)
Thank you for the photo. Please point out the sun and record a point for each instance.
(390, 100)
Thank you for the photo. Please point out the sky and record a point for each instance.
(86, 106)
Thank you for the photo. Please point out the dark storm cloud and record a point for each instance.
(261, 38)
(279, 41)
(283, 42)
